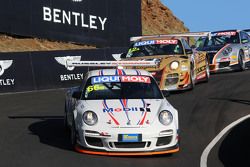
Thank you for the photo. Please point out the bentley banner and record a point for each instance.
(29, 71)
(97, 22)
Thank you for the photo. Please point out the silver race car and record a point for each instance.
(227, 50)
(121, 112)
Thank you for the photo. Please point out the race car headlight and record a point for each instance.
(165, 117)
(90, 118)
(227, 51)
(174, 65)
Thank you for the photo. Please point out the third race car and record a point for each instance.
(227, 50)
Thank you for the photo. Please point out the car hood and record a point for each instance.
(126, 112)
(161, 60)
(212, 48)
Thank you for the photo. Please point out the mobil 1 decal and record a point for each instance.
(5, 79)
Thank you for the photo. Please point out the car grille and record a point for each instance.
(158, 75)
(172, 79)
(131, 144)
(94, 141)
(164, 141)
(224, 64)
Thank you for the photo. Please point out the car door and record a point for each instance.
(245, 42)
(248, 43)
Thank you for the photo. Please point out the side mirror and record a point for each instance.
(188, 51)
(165, 93)
(77, 95)
(244, 41)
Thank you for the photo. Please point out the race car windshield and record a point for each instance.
(121, 87)
(155, 47)
(222, 38)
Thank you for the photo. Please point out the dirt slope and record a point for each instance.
(156, 19)
(19, 44)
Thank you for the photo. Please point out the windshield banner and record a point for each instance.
(108, 79)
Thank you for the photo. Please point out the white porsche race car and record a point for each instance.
(121, 113)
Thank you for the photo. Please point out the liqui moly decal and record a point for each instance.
(143, 43)
(167, 41)
(107, 79)
(142, 79)
(158, 42)
(230, 33)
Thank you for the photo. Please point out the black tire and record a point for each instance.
(242, 65)
(73, 136)
(192, 84)
(207, 71)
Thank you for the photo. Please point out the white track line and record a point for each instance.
(32, 91)
(204, 156)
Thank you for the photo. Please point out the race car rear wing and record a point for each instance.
(110, 63)
(187, 35)
(70, 62)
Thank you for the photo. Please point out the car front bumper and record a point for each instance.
(109, 143)
(169, 150)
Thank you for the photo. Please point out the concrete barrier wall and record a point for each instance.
(28, 71)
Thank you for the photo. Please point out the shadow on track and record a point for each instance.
(50, 130)
(235, 148)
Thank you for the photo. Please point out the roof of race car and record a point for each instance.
(234, 30)
(159, 38)
(110, 72)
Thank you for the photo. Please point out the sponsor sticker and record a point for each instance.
(108, 79)
(231, 33)
(131, 50)
(143, 43)
(105, 79)
(201, 69)
(127, 109)
(130, 138)
(167, 41)
(234, 57)
(152, 42)
(142, 79)
(95, 88)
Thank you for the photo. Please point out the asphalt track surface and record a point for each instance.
(31, 128)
